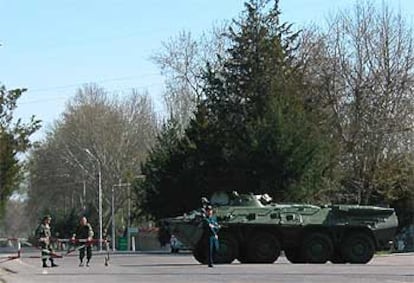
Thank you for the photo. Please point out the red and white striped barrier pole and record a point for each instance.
(18, 247)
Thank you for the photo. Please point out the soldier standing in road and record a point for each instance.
(84, 235)
(211, 227)
(43, 236)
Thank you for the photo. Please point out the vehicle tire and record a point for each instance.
(337, 257)
(263, 248)
(294, 256)
(200, 252)
(242, 257)
(317, 248)
(358, 247)
(228, 249)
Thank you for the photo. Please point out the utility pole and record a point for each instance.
(113, 218)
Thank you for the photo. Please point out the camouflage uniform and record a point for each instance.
(85, 233)
(43, 235)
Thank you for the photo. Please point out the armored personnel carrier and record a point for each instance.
(255, 230)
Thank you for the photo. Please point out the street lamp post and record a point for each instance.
(113, 218)
(99, 195)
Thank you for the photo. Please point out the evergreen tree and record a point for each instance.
(14, 139)
(252, 131)
(267, 135)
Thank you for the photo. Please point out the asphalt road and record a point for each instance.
(170, 268)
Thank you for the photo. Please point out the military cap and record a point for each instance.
(47, 216)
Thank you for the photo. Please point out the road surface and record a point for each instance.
(172, 268)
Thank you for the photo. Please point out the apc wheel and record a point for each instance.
(358, 248)
(263, 248)
(293, 255)
(200, 252)
(242, 258)
(228, 249)
(337, 257)
(317, 248)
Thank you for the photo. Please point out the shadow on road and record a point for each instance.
(160, 265)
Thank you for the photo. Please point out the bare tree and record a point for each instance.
(98, 133)
(362, 72)
(15, 222)
(181, 60)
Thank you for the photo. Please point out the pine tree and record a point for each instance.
(252, 131)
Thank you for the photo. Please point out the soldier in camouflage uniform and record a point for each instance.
(84, 233)
(43, 236)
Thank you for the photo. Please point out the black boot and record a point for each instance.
(44, 263)
(52, 264)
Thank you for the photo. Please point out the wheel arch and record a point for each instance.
(358, 229)
(244, 233)
(307, 230)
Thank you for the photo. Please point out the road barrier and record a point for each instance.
(12, 247)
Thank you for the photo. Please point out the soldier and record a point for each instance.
(211, 227)
(84, 235)
(43, 236)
